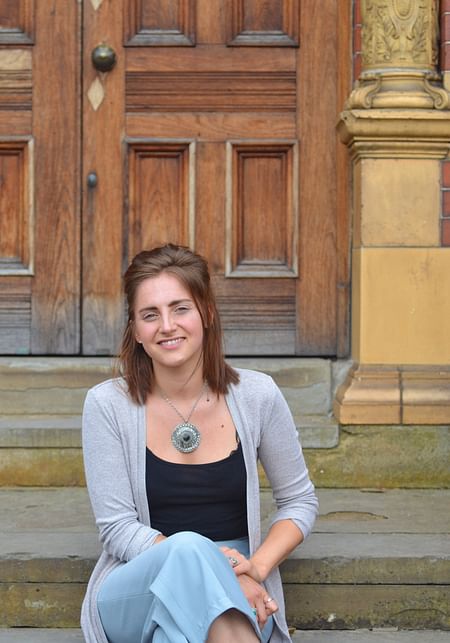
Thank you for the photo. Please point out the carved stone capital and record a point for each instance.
(399, 57)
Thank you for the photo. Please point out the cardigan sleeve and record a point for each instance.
(281, 455)
(108, 476)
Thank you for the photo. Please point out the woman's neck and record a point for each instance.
(178, 384)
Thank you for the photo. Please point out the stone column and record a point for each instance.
(396, 125)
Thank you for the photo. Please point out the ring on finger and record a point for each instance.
(234, 561)
(268, 600)
(254, 610)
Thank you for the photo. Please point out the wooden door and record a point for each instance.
(216, 129)
(39, 177)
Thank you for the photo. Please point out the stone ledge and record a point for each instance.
(375, 394)
(384, 456)
(64, 431)
(58, 385)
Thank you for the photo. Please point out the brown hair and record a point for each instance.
(134, 365)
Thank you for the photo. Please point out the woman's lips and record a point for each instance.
(170, 343)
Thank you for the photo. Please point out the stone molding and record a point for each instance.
(378, 394)
(399, 133)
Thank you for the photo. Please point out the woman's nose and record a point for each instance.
(167, 322)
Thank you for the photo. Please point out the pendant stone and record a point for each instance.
(186, 437)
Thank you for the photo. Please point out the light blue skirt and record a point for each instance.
(172, 593)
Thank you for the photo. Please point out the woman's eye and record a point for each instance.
(150, 317)
(182, 309)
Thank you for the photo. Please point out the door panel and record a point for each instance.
(39, 174)
(161, 191)
(216, 129)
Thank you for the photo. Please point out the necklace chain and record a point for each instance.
(170, 403)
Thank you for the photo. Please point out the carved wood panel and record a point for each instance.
(170, 23)
(15, 79)
(161, 194)
(16, 207)
(260, 23)
(257, 319)
(225, 91)
(15, 315)
(262, 196)
(16, 22)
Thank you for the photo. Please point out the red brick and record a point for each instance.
(445, 6)
(357, 66)
(445, 27)
(357, 40)
(445, 231)
(446, 203)
(445, 56)
(357, 19)
(446, 174)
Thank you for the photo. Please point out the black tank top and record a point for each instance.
(209, 499)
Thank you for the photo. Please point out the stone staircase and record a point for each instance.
(377, 567)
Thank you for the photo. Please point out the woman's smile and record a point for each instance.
(171, 343)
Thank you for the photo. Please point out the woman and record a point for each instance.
(171, 449)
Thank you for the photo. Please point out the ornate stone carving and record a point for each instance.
(399, 33)
(399, 56)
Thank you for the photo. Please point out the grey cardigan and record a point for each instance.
(114, 447)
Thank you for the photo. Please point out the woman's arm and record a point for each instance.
(282, 458)
(297, 506)
(108, 468)
(283, 537)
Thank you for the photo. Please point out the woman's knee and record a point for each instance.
(189, 540)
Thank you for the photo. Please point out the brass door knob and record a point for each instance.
(103, 58)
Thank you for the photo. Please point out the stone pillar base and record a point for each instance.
(375, 394)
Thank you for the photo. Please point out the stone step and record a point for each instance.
(374, 560)
(57, 385)
(45, 450)
(34, 635)
(41, 401)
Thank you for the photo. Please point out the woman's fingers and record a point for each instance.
(270, 605)
(237, 561)
(261, 613)
(240, 563)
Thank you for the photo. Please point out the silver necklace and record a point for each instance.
(185, 436)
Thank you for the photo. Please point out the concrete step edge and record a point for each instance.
(64, 431)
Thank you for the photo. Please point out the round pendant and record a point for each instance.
(186, 437)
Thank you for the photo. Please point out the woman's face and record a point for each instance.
(168, 323)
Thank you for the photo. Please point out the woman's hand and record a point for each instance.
(241, 564)
(263, 605)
